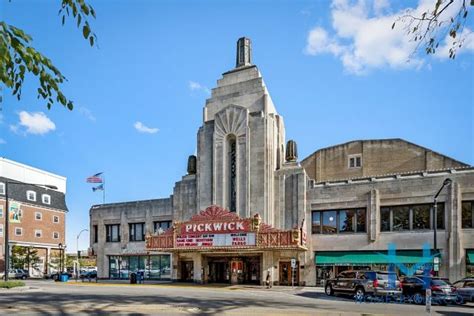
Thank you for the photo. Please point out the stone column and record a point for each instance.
(197, 259)
(268, 264)
(374, 214)
(453, 253)
(176, 269)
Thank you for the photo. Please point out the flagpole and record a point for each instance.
(103, 189)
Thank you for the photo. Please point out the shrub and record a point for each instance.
(10, 284)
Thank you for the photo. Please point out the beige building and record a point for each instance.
(248, 211)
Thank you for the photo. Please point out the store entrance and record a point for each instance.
(234, 270)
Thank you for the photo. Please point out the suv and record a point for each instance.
(21, 274)
(361, 283)
(442, 291)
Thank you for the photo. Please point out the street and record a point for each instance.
(44, 297)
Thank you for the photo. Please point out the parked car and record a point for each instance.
(361, 283)
(21, 274)
(92, 274)
(11, 274)
(465, 289)
(442, 292)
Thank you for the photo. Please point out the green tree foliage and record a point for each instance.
(24, 257)
(432, 26)
(18, 57)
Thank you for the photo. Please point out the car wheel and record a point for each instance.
(23, 277)
(360, 294)
(460, 300)
(329, 291)
(418, 298)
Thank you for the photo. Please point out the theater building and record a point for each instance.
(248, 208)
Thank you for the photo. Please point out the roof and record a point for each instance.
(130, 203)
(17, 191)
(383, 140)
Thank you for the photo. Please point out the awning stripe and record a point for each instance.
(367, 257)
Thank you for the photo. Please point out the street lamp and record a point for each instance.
(446, 182)
(7, 218)
(77, 249)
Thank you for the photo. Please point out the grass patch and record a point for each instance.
(11, 284)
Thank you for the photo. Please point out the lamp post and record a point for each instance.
(77, 249)
(7, 218)
(446, 182)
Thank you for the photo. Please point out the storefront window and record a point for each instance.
(329, 222)
(165, 266)
(421, 217)
(440, 217)
(114, 267)
(361, 220)
(316, 223)
(385, 219)
(401, 218)
(124, 268)
(155, 267)
(467, 215)
(346, 221)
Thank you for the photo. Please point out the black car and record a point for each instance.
(92, 274)
(442, 292)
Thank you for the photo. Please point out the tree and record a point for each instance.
(18, 57)
(434, 25)
(24, 257)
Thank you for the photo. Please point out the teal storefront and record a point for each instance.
(154, 267)
(470, 263)
(330, 263)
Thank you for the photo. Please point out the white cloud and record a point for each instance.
(87, 113)
(196, 86)
(33, 123)
(142, 128)
(2, 141)
(363, 39)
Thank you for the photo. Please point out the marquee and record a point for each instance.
(218, 228)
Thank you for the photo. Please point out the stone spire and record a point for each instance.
(244, 52)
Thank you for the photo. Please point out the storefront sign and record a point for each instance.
(215, 240)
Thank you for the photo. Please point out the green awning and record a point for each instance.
(470, 256)
(346, 258)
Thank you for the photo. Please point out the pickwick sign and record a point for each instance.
(217, 228)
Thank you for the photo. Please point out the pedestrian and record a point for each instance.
(269, 279)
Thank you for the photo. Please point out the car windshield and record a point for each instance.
(439, 282)
(387, 276)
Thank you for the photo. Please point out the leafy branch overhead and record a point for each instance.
(434, 25)
(18, 57)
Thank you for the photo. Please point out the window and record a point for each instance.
(95, 232)
(316, 223)
(18, 231)
(163, 225)
(2, 188)
(38, 233)
(46, 198)
(38, 216)
(232, 172)
(410, 217)
(1, 211)
(31, 195)
(55, 235)
(112, 233)
(55, 219)
(355, 161)
(467, 216)
(1, 230)
(137, 231)
(339, 221)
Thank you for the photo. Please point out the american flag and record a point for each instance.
(95, 178)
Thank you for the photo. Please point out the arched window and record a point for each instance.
(232, 173)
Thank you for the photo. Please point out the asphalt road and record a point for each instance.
(49, 298)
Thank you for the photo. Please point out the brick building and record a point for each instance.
(37, 214)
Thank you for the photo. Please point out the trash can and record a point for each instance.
(133, 278)
(64, 277)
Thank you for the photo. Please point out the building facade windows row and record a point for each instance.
(38, 232)
(136, 231)
(410, 217)
(153, 267)
(339, 221)
(467, 220)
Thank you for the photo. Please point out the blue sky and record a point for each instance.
(336, 73)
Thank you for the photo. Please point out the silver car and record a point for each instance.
(465, 288)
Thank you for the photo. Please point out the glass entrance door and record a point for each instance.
(287, 273)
